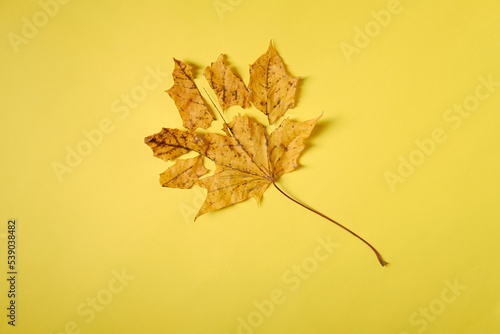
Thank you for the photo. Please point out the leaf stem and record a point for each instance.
(230, 131)
(379, 257)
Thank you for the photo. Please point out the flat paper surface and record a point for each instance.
(406, 155)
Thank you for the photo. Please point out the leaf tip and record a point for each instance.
(270, 43)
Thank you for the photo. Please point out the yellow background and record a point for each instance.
(110, 217)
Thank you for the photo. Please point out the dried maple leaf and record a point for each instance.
(228, 87)
(187, 98)
(247, 158)
(273, 90)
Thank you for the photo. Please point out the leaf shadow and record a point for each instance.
(320, 127)
(227, 60)
(195, 67)
(299, 88)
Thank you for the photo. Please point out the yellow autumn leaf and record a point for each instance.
(273, 90)
(187, 98)
(228, 87)
(247, 159)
